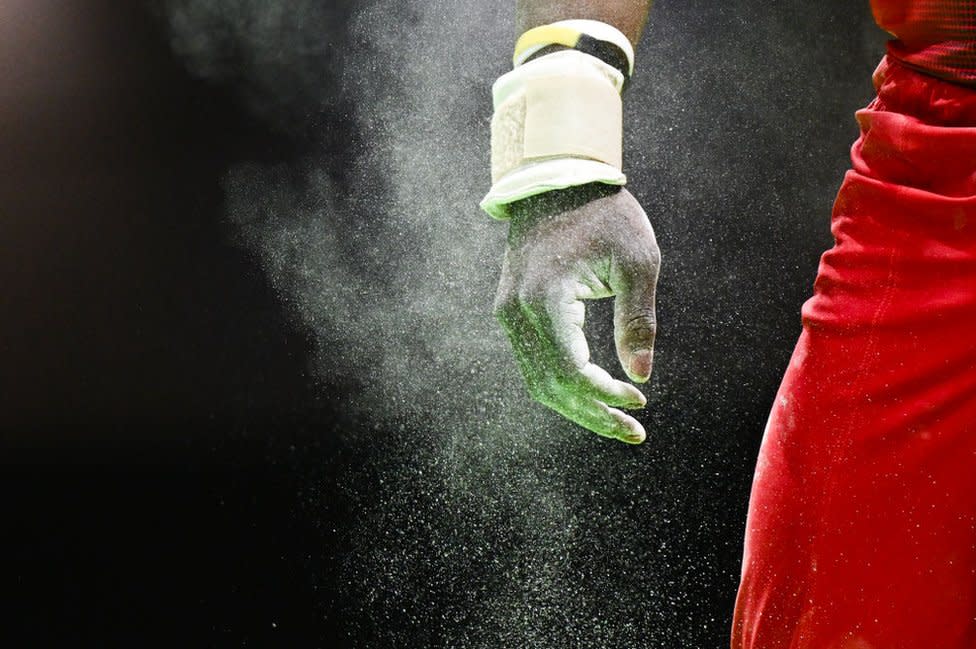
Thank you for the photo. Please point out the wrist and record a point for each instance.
(528, 212)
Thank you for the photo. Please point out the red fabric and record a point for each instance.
(862, 523)
(935, 36)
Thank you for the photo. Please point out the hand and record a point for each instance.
(566, 246)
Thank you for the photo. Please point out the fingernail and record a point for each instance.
(640, 364)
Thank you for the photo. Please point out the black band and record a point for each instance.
(608, 52)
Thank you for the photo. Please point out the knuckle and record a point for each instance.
(642, 322)
(647, 257)
(640, 262)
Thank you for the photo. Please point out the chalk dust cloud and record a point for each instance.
(483, 520)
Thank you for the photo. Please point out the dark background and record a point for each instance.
(162, 431)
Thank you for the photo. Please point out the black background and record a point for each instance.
(160, 427)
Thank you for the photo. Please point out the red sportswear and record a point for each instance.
(862, 520)
(934, 36)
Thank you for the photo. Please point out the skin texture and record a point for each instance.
(629, 16)
(583, 243)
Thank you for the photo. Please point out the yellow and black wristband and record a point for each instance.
(546, 39)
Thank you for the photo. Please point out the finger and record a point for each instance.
(558, 321)
(599, 418)
(526, 346)
(596, 382)
(635, 322)
(535, 360)
(558, 318)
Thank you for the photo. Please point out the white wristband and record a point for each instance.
(558, 123)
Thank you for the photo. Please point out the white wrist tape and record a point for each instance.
(558, 123)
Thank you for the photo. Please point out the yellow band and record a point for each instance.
(546, 35)
(592, 37)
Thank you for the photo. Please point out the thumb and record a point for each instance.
(635, 323)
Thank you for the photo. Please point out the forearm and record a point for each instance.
(629, 16)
